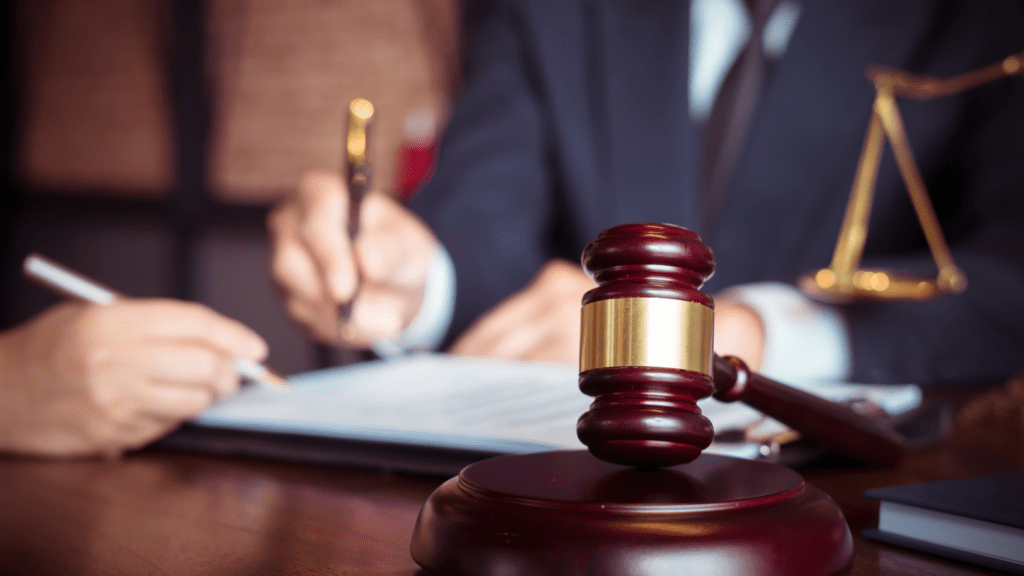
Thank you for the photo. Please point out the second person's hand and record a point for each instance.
(540, 322)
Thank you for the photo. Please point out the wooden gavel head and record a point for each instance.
(646, 345)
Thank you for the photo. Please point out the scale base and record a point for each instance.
(567, 513)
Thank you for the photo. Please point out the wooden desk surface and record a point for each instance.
(158, 512)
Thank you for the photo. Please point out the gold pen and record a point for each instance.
(69, 283)
(360, 111)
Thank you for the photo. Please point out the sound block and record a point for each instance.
(567, 512)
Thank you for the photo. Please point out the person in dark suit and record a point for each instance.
(574, 118)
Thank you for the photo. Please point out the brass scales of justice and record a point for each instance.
(843, 280)
(643, 499)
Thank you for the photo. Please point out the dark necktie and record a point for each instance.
(726, 127)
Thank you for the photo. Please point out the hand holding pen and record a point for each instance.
(67, 282)
(350, 262)
(86, 379)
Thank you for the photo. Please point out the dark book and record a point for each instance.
(975, 520)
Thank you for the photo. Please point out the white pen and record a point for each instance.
(72, 284)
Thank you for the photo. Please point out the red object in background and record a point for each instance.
(414, 166)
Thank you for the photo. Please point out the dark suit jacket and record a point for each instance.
(573, 118)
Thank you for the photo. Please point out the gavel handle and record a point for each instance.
(832, 425)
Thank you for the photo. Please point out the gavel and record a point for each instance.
(646, 357)
(641, 502)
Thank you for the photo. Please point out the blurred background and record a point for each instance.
(145, 140)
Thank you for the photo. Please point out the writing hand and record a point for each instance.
(317, 267)
(84, 379)
(540, 322)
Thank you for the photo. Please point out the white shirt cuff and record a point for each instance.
(428, 327)
(805, 341)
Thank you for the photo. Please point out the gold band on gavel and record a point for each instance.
(646, 332)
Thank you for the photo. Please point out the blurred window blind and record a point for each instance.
(96, 116)
(284, 73)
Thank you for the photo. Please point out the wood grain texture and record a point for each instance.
(165, 513)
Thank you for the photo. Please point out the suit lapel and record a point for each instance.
(802, 149)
